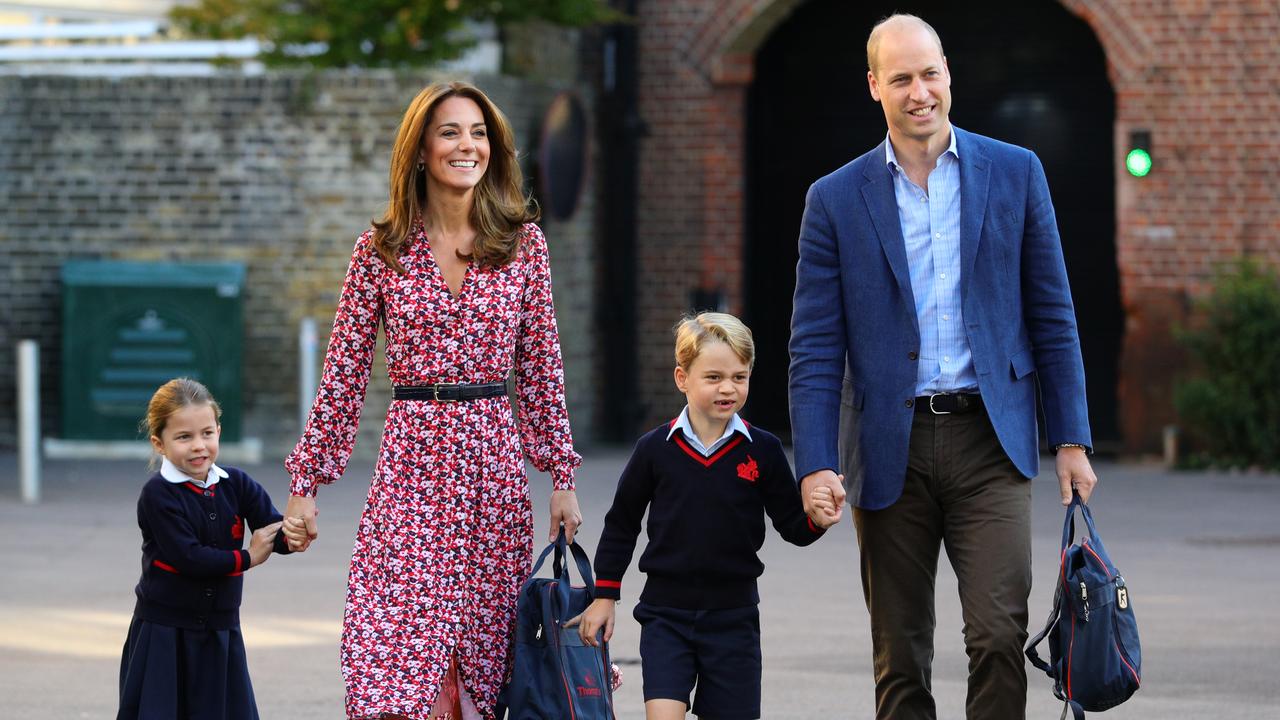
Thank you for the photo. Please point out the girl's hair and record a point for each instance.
(501, 206)
(172, 397)
(693, 334)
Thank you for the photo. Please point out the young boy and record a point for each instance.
(707, 479)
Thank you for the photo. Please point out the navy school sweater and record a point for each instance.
(193, 555)
(706, 519)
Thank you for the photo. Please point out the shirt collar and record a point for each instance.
(891, 158)
(735, 424)
(170, 472)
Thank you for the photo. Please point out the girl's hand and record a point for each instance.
(302, 531)
(822, 507)
(564, 509)
(261, 544)
(599, 614)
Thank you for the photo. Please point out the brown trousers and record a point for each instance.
(961, 491)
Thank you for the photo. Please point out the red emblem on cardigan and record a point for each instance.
(748, 470)
(237, 529)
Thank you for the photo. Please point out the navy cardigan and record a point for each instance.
(193, 555)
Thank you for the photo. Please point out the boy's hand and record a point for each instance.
(597, 615)
(823, 510)
(262, 543)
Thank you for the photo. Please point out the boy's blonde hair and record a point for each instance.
(693, 334)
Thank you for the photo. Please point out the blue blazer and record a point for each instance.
(854, 331)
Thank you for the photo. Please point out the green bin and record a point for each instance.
(128, 327)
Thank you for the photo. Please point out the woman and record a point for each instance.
(457, 274)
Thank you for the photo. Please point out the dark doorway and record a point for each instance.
(1029, 73)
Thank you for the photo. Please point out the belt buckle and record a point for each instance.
(932, 410)
(435, 392)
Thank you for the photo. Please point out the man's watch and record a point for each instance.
(1059, 446)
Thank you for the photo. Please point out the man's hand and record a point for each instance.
(1074, 471)
(825, 511)
(827, 479)
(300, 522)
(564, 509)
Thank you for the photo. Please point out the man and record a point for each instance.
(931, 303)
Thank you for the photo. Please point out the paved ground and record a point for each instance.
(1199, 551)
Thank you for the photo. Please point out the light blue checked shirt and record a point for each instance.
(931, 229)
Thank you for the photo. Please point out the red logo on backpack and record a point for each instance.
(748, 470)
(588, 687)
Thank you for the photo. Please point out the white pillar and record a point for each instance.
(29, 420)
(306, 369)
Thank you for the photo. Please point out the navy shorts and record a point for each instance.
(716, 650)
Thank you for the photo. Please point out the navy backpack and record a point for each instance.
(1094, 658)
(555, 676)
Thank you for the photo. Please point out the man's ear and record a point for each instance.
(874, 87)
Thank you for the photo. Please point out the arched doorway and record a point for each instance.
(1031, 74)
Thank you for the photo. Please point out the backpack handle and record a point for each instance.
(560, 569)
(1069, 524)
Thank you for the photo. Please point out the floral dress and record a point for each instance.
(446, 536)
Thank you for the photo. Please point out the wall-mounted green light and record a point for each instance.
(1138, 160)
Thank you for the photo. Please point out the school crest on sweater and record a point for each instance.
(748, 470)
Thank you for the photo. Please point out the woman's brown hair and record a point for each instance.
(501, 206)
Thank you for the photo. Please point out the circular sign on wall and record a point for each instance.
(562, 155)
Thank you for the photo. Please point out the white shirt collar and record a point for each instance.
(170, 472)
(891, 158)
(682, 423)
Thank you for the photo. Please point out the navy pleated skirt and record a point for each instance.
(169, 673)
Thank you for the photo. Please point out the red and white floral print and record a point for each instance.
(446, 536)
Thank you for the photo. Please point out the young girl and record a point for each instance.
(707, 479)
(184, 656)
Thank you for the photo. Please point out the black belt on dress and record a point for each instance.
(949, 403)
(448, 392)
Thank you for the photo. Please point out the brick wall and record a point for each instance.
(281, 172)
(1203, 77)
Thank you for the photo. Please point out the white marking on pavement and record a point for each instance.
(94, 634)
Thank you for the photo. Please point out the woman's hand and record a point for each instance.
(300, 522)
(564, 509)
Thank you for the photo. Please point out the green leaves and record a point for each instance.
(371, 33)
(1233, 406)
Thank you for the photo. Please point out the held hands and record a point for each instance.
(823, 495)
(261, 544)
(599, 614)
(825, 512)
(300, 522)
(1074, 471)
